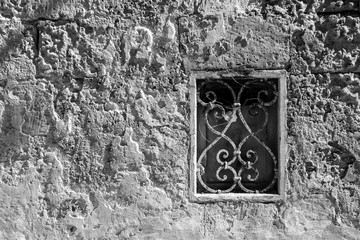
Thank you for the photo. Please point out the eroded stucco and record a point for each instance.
(94, 116)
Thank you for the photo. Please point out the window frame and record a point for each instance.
(281, 75)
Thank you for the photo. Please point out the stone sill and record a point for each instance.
(236, 197)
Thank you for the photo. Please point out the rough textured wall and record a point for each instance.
(94, 116)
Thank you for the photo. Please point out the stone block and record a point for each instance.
(217, 42)
(330, 6)
(333, 46)
(85, 50)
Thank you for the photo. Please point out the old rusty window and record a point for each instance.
(238, 127)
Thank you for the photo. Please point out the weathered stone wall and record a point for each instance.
(94, 116)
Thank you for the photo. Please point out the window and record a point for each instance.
(238, 133)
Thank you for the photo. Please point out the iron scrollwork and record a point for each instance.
(264, 94)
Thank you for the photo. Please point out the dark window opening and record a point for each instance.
(237, 135)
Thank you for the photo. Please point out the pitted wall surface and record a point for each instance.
(94, 116)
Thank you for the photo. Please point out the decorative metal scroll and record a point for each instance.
(263, 95)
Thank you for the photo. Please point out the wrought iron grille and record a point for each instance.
(237, 135)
